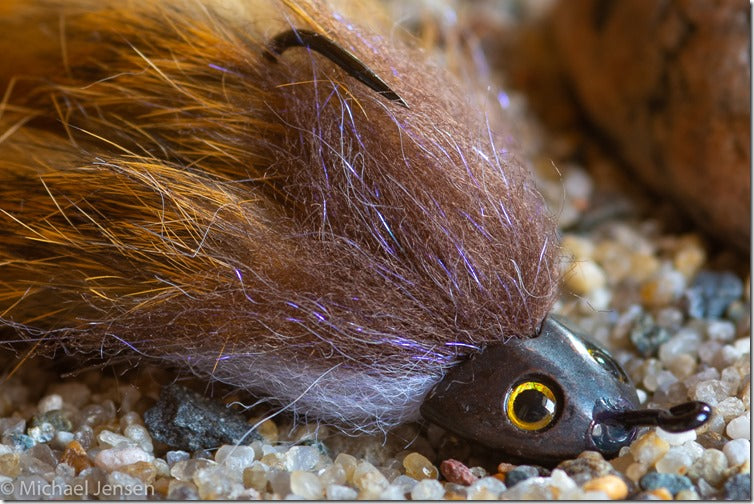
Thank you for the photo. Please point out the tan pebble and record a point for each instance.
(649, 448)
(269, 431)
(454, 496)
(161, 486)
(255, 477)
(76, 457)
(686, 494)
(682, 366)
(643, 266)
(621, 463)
(662, 289)
(662, 493)
(505, 467)
(591, 455)
(419, 467)
(483, 493)
(614, 259)
(635, 471)
(10, 465)
(577, 247)
(689, 258)
(348, 463)
(145, 471)
(584, 277)
(614, 487)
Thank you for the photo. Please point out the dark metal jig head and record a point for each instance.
(339, 55)
(547, 399)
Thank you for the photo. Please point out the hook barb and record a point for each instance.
(336, 53)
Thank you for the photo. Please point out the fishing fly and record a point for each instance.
(167, 191)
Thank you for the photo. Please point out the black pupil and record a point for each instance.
(532, 406)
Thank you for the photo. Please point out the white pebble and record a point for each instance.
(489, 484)
(676, 439)
(676, 461)
(721, 330)
(140, 435)
(301, 458)
(708, 350)
(560, 479)
(112, 458)
(731, 408)
(641, 395)
(235, 457)
(427, 489)
(111, 439)
(50, 403)
(306, 485)
(739, 427)
(340, 492)
(685, 341)
(738, 451)
(743, 345)
(393, 492)
(405, 482)
(710, 391)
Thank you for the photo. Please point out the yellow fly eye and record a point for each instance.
(531, 406)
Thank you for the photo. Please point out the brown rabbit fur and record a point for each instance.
(167, 190)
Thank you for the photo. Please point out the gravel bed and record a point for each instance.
(680, 330)
(673, 310)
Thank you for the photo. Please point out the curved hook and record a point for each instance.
(679, 418)
(339, 55)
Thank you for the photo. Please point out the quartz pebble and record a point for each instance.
(710, 467)
(739, 427)
(113, 458)
(738, 451)
(340, 492)
(428, 489)
(50, 403)
(482, 488)
(649, 448)
(369, 480)
(676, 438)
(306, 485)
(235, 457)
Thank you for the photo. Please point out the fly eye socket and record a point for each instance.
(607, 363)
(531, 405)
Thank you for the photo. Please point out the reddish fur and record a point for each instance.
(153, 201)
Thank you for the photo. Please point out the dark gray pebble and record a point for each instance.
(56, 418)
(582, 470)
(648, 336)
(711, 293)
(188, 421)
(673, 482)
(519, 474)
(738, 487)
